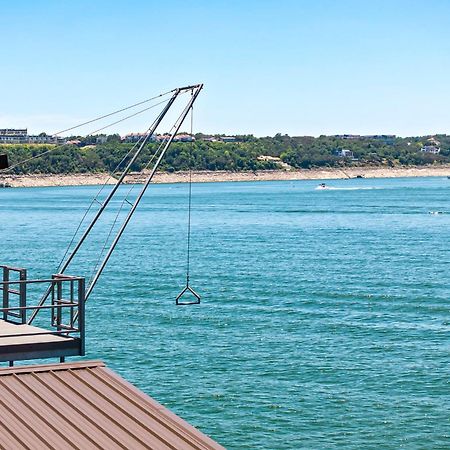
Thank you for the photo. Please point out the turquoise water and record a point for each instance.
(325, 316)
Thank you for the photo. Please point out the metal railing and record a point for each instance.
(9, 293)
(66, 308)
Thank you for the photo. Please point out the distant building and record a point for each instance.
(136, 137)
(21, 136)
(13, 136)
(228, 139)
(347, 136)
(177, 138)
(430, 149)
(386, 138)
(162, 137)
(184, 138)
(76, 142)
(344, 153)
(45, 139)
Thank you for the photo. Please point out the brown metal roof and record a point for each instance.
(85, 405)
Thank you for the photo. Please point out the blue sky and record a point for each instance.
(299, 67)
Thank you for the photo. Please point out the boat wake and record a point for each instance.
(332, 188)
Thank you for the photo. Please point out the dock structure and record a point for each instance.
(60, 329)
(85, 405)
(82, 405)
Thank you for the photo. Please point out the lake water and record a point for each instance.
(324, 320)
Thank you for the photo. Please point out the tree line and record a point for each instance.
(248, 153)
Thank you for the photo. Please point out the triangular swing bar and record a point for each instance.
(187, 289)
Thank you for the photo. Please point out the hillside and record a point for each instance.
(248, 153)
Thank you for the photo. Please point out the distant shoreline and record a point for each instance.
(47, 180)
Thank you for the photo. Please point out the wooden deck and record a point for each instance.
(19, 341)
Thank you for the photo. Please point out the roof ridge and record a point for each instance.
(51, 367)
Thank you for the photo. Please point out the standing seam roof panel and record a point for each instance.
(108, 413)
(74, 416)
(69, 429)
(171, 420)
(86, 406)
(103, 420)
(168, 429)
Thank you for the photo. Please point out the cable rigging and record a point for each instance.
(188, 289)
(132, 155)
(5, 167)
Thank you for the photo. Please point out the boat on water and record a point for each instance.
(322, 187)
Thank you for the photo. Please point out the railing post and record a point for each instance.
(81, 317)
(58, 303)
(23, 295)
(5, 291)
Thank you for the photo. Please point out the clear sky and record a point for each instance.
(302, 67)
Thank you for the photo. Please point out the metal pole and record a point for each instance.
(142, 192)
(110, 195)
(120, 180)
(5, 292)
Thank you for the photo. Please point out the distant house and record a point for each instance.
(184, 138)
(433, 149)
(21, 136)
(45, 139)
(344, 153)
(275, 160)
(136, 137)
(347, 136)
(177, 138)
(228, 139)
(76, 142)
(13, 136)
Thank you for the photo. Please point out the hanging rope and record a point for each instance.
(188, 288)
(125, 200)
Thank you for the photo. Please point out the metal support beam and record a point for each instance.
(183, 115)
(196, 90)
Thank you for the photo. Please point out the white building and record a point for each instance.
(21, 136)
(136, 137)
(344, 153)
(13, 136)
(228, 139)
(431, 149)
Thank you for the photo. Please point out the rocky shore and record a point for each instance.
(35, 180)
